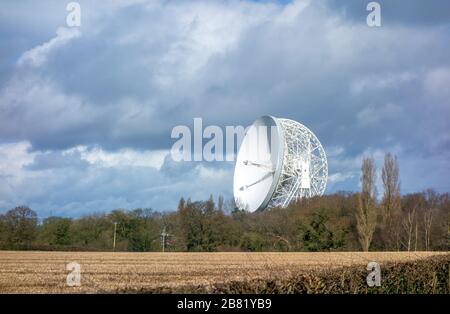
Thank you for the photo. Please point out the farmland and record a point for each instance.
(103, 272)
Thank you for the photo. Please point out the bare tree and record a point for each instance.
(428, 215)
(366, 214)
(416, 236)
(408, 226)
(391, 203)
(427, 223)
(220, 203)
(391, 184)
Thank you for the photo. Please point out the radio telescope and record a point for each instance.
(279, 161)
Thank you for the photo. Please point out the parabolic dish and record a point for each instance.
(280, 160)
(258, 164)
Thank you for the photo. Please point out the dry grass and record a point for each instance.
(44, 272)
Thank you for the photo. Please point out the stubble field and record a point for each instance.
(105, 272)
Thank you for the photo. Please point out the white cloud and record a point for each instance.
(40, 104)
(437, 83)
(375, 114)
(14, 156)
(209, 173)
(82, 180)
(292, 11)
(334, 151)
(38, 55)
(339, 177)
(198, 32)
(381, 82)
(123, 157)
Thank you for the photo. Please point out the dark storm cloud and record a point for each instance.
(134, 70)
(298, 69)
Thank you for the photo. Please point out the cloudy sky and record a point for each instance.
(86, 112)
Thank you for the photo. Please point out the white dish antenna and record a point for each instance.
(280, 160)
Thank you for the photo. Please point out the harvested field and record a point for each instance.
(45, 272)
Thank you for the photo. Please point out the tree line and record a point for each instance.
(344, 221)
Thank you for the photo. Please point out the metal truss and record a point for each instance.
(305, 169)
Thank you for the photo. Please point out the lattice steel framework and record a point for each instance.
(304, 170)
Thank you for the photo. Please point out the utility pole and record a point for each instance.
(163, 238)
(114, 241)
